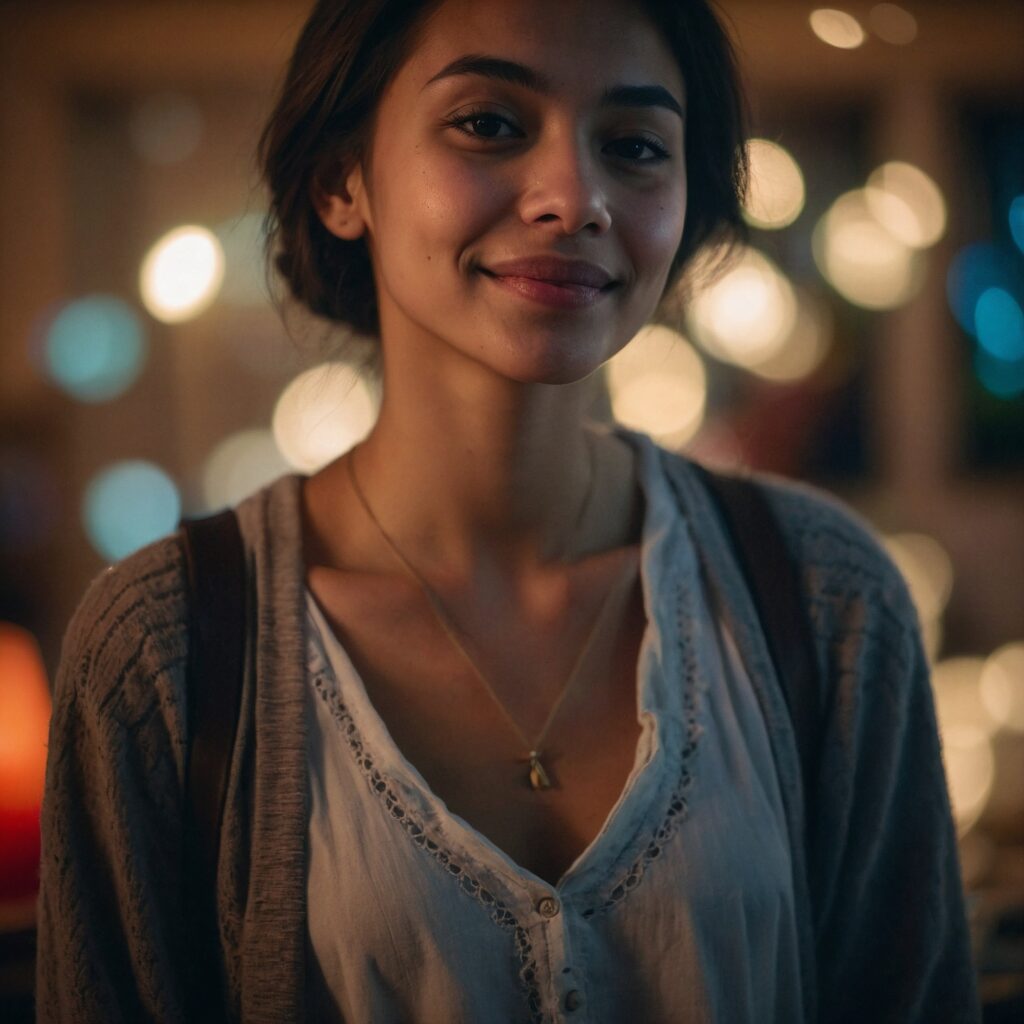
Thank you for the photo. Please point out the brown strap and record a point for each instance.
(215, 563)
(773, 579)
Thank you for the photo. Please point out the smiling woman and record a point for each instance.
(513, 743)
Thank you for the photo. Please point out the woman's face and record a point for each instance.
(527, 189)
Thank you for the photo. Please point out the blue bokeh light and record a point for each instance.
(975, 269)
(95, 348)
(999, 322)
(128, 505)
(1017, 221)
(1001, 378)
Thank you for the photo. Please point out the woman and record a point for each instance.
(511, 747)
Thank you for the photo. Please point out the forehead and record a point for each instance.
(578, 45)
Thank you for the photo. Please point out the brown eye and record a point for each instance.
(638, 150)
(484, 124)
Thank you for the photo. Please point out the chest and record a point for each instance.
(461, 738)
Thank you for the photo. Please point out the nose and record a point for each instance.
(564, 187)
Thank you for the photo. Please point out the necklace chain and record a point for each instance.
(537, 775)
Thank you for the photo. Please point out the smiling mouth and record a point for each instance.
(558, 294)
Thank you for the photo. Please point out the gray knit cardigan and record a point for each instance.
(879, 902)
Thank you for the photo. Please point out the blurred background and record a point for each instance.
(870, 341)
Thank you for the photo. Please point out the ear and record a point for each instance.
(342, 208)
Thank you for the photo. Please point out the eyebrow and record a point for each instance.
(514, 73)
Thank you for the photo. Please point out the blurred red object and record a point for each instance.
(24, 724)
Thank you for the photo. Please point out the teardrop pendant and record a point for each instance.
(538, 777)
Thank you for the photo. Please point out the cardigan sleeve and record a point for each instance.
(892, 940)
(110, 929)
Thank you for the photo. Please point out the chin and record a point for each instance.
(563, 360)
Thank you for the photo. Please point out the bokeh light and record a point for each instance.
(745, 316)
(1000, 378)
(128, 505)
(926, 566)
(970, 772)
(24, 716)
(966, 729)
(863, 261)
(776, 194)
(1017, 221)
(907, 203)
(182, 274)
(24, 724)
(837, 28)
(242, 463)
(321, 414)
(999, 322)
(95, 348)
(1002, 686)
(805, 348)
(972, 271)
(241, 240)
(893, 24)
(658, 385)
(165, 128)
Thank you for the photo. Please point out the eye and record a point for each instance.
(639, 149)
(484, 124)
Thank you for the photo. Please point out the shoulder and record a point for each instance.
(852, 587)
(126, 645)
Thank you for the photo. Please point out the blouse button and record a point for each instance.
(547, 907)
(573, 1000)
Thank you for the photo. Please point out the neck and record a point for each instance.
(465, 482)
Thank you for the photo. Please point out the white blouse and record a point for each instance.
(680, 909)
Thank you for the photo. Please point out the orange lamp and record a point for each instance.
(24, 725)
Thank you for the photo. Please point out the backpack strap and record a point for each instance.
(773, 579)
(216, 570)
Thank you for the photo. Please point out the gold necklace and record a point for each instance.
(538, 777)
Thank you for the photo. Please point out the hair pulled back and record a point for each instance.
(322, 125)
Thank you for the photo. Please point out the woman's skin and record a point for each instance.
(478, 464)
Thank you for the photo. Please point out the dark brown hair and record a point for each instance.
(346, 55)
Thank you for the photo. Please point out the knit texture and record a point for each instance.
(879, 902)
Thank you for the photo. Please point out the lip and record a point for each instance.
(552, 281)
(554, 270)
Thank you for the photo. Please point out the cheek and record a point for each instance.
(440, 204)
(655, 229)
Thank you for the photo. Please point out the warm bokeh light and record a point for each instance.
(1002, 687)
(658, 385)
(182, 274)
(956, 683)
(907, 203)
(165, 128)
(241, 240)
(95, 348)
(927, 568)
(893, 24)
(966, 729)
(863, 261)
(999, 325)
(24, 724)
(745, 316)
(970, 772)
(24, 718)
(321, 414)
(128, 505)
(776, 194)
(837, 28)
(806, 346)
(242, 463)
